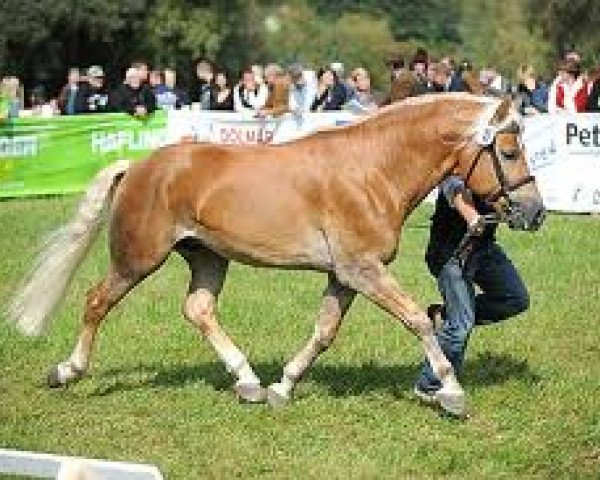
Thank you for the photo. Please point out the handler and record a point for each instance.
(481, 263)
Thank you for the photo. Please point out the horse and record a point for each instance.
(333, 202)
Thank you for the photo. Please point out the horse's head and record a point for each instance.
(494, 166)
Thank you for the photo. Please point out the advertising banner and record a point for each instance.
(564, 155)
(61, 155)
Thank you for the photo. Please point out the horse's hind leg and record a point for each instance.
(208, 274)
(100, 300)
(336, 301)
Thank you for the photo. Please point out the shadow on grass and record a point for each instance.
(340, 380)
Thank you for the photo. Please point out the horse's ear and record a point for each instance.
(503, 110)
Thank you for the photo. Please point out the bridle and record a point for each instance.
(490, 145)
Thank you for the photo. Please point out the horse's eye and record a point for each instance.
(509, 154)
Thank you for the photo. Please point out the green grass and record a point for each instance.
(158, 394)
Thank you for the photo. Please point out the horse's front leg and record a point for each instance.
(370, 277)
(336, 301)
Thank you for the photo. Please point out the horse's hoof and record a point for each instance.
(53, 378)
(250, 392)
(277, 396)
(453, 403)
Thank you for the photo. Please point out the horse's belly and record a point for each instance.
(289, 248)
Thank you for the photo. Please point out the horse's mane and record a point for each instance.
(491, 104)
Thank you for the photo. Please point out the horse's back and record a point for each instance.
(256, 205)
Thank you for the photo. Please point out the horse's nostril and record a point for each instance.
(539, 218)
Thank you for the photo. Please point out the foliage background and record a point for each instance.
(40, 39)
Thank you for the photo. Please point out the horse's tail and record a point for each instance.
(61, 254)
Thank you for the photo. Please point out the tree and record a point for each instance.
(570, 23)
(299, 34)
(42, 38)
(499, 35)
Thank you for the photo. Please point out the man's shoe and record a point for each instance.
(430, 398)
(435, 312)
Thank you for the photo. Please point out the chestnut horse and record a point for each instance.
(333, 202)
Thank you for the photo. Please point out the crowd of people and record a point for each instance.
(273, 89)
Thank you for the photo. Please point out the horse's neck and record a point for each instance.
(410, 152)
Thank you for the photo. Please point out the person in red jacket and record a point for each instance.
(571, 90)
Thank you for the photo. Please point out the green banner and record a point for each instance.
(40, 156)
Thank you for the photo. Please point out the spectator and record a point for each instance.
(249, 96)
(143, 71)
(439, 78)
(156, 81)
(10, 98)
(403, 81)
(168, 95)
(272, 73)
(95, 93)
(302, 90)
(70, 99)
(203, 91)
(533, 93)
(553, 90)
(259, 73)
(571, 90)
(223, 97)
(466, 80)
(419, 67)
(363, 100)
(338, 69)
(132, 97)
(278, 101)
(593, 102)
(330, 93)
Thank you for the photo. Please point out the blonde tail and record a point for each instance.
(61, 254)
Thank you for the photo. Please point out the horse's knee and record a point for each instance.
(199, 310)
(325, 336)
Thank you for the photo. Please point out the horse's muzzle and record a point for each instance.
(527, 216)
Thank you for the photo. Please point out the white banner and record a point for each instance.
(242, 129)
(563, 151)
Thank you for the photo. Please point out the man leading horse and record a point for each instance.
(333, 202)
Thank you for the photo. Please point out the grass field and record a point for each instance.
(157, 393)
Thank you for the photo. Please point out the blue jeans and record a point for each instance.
(503, 295)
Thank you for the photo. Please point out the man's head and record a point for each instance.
(326, 77)
(95, 76)
(204, 71)
(170, 78)
(221, 80)
(572, 69)
(259, 75)
(132, 78)
(419, 62)
(396, 65)
(361, 79)
(74, 76)
(448, 63)
(272, 71)
(248, 79)
(155, 78)
(439, 74)
(338, 69)
(296, 73)
(142, 69)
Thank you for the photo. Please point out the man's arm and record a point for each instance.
(458, 196)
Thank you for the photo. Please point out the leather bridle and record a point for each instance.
(506, 187)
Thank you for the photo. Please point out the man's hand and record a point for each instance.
(468, 211)
(476, 226)
(140, 111)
